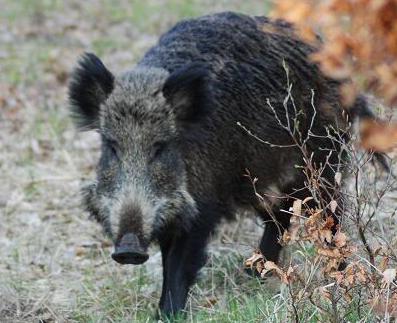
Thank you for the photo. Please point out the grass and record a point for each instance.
(217, 297)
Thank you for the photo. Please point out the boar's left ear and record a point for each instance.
(90, 85)
(187, 92)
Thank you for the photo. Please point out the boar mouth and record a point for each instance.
(129, 251)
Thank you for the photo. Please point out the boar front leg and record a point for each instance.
(269, 245)
(182, 256)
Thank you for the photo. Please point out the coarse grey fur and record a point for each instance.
(174, 161)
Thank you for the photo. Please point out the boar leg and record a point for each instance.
(274, 230)
(182, 256)
(276, 224)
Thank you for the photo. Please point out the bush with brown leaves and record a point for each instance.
(360, 43)
(354, 268)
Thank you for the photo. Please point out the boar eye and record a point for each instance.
(158, 149)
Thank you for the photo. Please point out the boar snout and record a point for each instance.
(129, 250)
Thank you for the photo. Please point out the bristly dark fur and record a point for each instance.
(90, 85)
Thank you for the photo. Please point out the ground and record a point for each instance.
(55, 262)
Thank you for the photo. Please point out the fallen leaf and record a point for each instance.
(378, 136)
(332, 253)
(271, 266)
(340, 239)
(388, 276)
(333, 205)
(383, 263)
(297, 207)
(329, 223)
(80, 251)
(338, 178)
(251, 261)
(210, 302)
(325, 235)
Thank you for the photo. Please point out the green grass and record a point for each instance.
(146, 15)
(124, 299)
(22, 9)
(113, 299)
(26, 62)
(101, 46)
(224, 293)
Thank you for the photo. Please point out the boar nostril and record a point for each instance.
(130, 257)
(129, 251)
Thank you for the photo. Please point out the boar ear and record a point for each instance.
(187, 92)
(90, 85)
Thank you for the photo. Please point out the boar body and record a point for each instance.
(174, 159)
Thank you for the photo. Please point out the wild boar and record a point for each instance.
(174, 159)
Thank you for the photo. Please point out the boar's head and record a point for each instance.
(144, 118)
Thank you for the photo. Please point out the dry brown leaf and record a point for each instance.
(292, 234)
(360, 43)
(333, 205)
(324, 293)
(378, 136)
(388, 276)
(332, 265)
(251, 261)
(271, 266)
(338, 178)
(314, 218)
(297, 207)
(383, 263)
(361, 275)
(80, 251)
(340, 239)
(325, 235)
(210, 302)
(338, 276)
(332, 253)
(329, 223)
(348, 92)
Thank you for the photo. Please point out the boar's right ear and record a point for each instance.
(90, 85)
(187, 92)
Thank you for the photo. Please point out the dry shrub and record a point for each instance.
(353, 268)
(360, 43)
